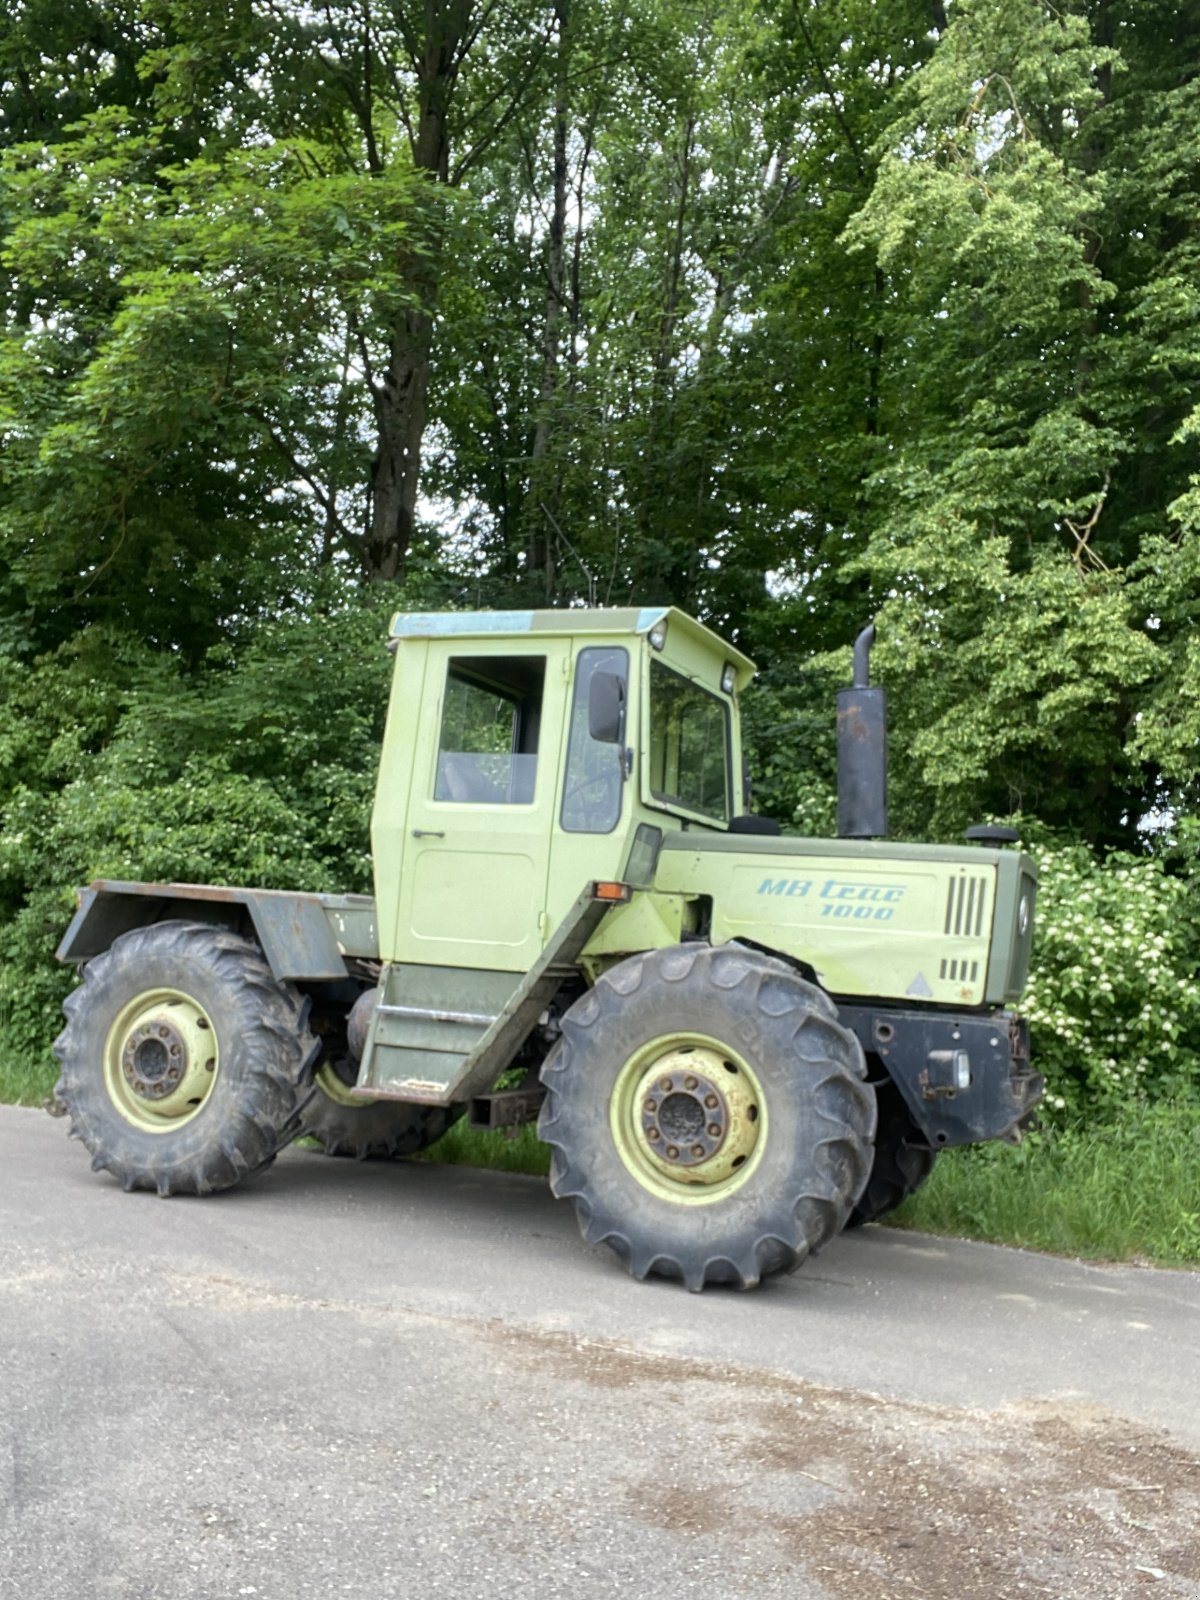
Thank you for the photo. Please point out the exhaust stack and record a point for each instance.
(862, 750)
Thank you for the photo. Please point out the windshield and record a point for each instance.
(689, 744)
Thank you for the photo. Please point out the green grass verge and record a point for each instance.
(520, 1151)
(22, 1084)
(1121, 1192)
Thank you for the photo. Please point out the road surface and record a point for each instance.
(399, 1379)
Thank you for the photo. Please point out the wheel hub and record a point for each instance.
(161, 1059)
(154, 1059)
(685, 1117)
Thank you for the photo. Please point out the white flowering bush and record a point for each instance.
(1113, 999)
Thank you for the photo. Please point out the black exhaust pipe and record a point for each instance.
(862, 750)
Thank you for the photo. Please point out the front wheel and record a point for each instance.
(183, 1060)
(707, 1115)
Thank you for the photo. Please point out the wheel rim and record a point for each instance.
(338, 1090)
(161, 1060)
(688, 1118)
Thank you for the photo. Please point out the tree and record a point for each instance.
(1003, 575)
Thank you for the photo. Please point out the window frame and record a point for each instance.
(675, 803)
(617, 750)
(471, 672)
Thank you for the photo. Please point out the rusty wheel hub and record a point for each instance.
(154, 1059)
(685, 1117)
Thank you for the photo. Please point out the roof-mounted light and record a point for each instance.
(728, 677)
(658, 634)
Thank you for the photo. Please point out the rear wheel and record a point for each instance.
(183, 1059)
(902, 1162)
(344, 1125)
(708, 1115)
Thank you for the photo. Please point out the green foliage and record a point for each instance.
(508, 1150)
(259, 769)
(1113, 999)
(791, 742)
(177, 321)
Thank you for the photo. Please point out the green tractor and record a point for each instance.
(736, 1042)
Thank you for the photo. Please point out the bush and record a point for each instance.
(1113, 1000)
(259, 768)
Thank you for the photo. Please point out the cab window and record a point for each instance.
(594, 779)
(491, 720)
(689, 744)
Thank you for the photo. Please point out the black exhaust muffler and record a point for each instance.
(862, 750)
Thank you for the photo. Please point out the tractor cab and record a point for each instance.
(523, 752)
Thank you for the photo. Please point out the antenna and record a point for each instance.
(582, 565)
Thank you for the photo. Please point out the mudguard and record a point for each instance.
(305, 937)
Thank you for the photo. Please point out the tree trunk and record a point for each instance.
(543, 496)
(401, 401)
(401, 396)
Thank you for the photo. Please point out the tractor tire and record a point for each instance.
(184, 1061)
(902, 1163)
(707, 1114)
(369, 1129)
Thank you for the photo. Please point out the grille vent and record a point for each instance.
(960, 971)
(966, 904)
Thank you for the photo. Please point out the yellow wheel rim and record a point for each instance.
(333, 1088)
(161, 1060)
(688, 1118)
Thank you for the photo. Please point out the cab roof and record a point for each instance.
(567, 622)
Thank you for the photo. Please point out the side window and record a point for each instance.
(491, 718)
(689, 744)
(594, 780)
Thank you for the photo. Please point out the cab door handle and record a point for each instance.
(427, 833)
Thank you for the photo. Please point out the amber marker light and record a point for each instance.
(615, 892)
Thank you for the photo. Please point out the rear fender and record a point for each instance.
(305, 937)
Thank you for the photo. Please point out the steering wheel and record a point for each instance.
(599, 813)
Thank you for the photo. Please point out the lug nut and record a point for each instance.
(714, 1130)
(697, 1149)
(689, 1083)
(672, 1152)
(653, 1133)
(710, 1100)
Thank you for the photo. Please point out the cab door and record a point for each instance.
(476, 853)
(594, 820)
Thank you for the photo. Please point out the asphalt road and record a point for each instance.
(377, 1380)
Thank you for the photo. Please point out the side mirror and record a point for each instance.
(606, 708)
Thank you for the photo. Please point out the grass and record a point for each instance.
(22, 1084)
(520, 1151)
(1122, 1192)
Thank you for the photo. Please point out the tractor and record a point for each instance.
(735, 1042)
